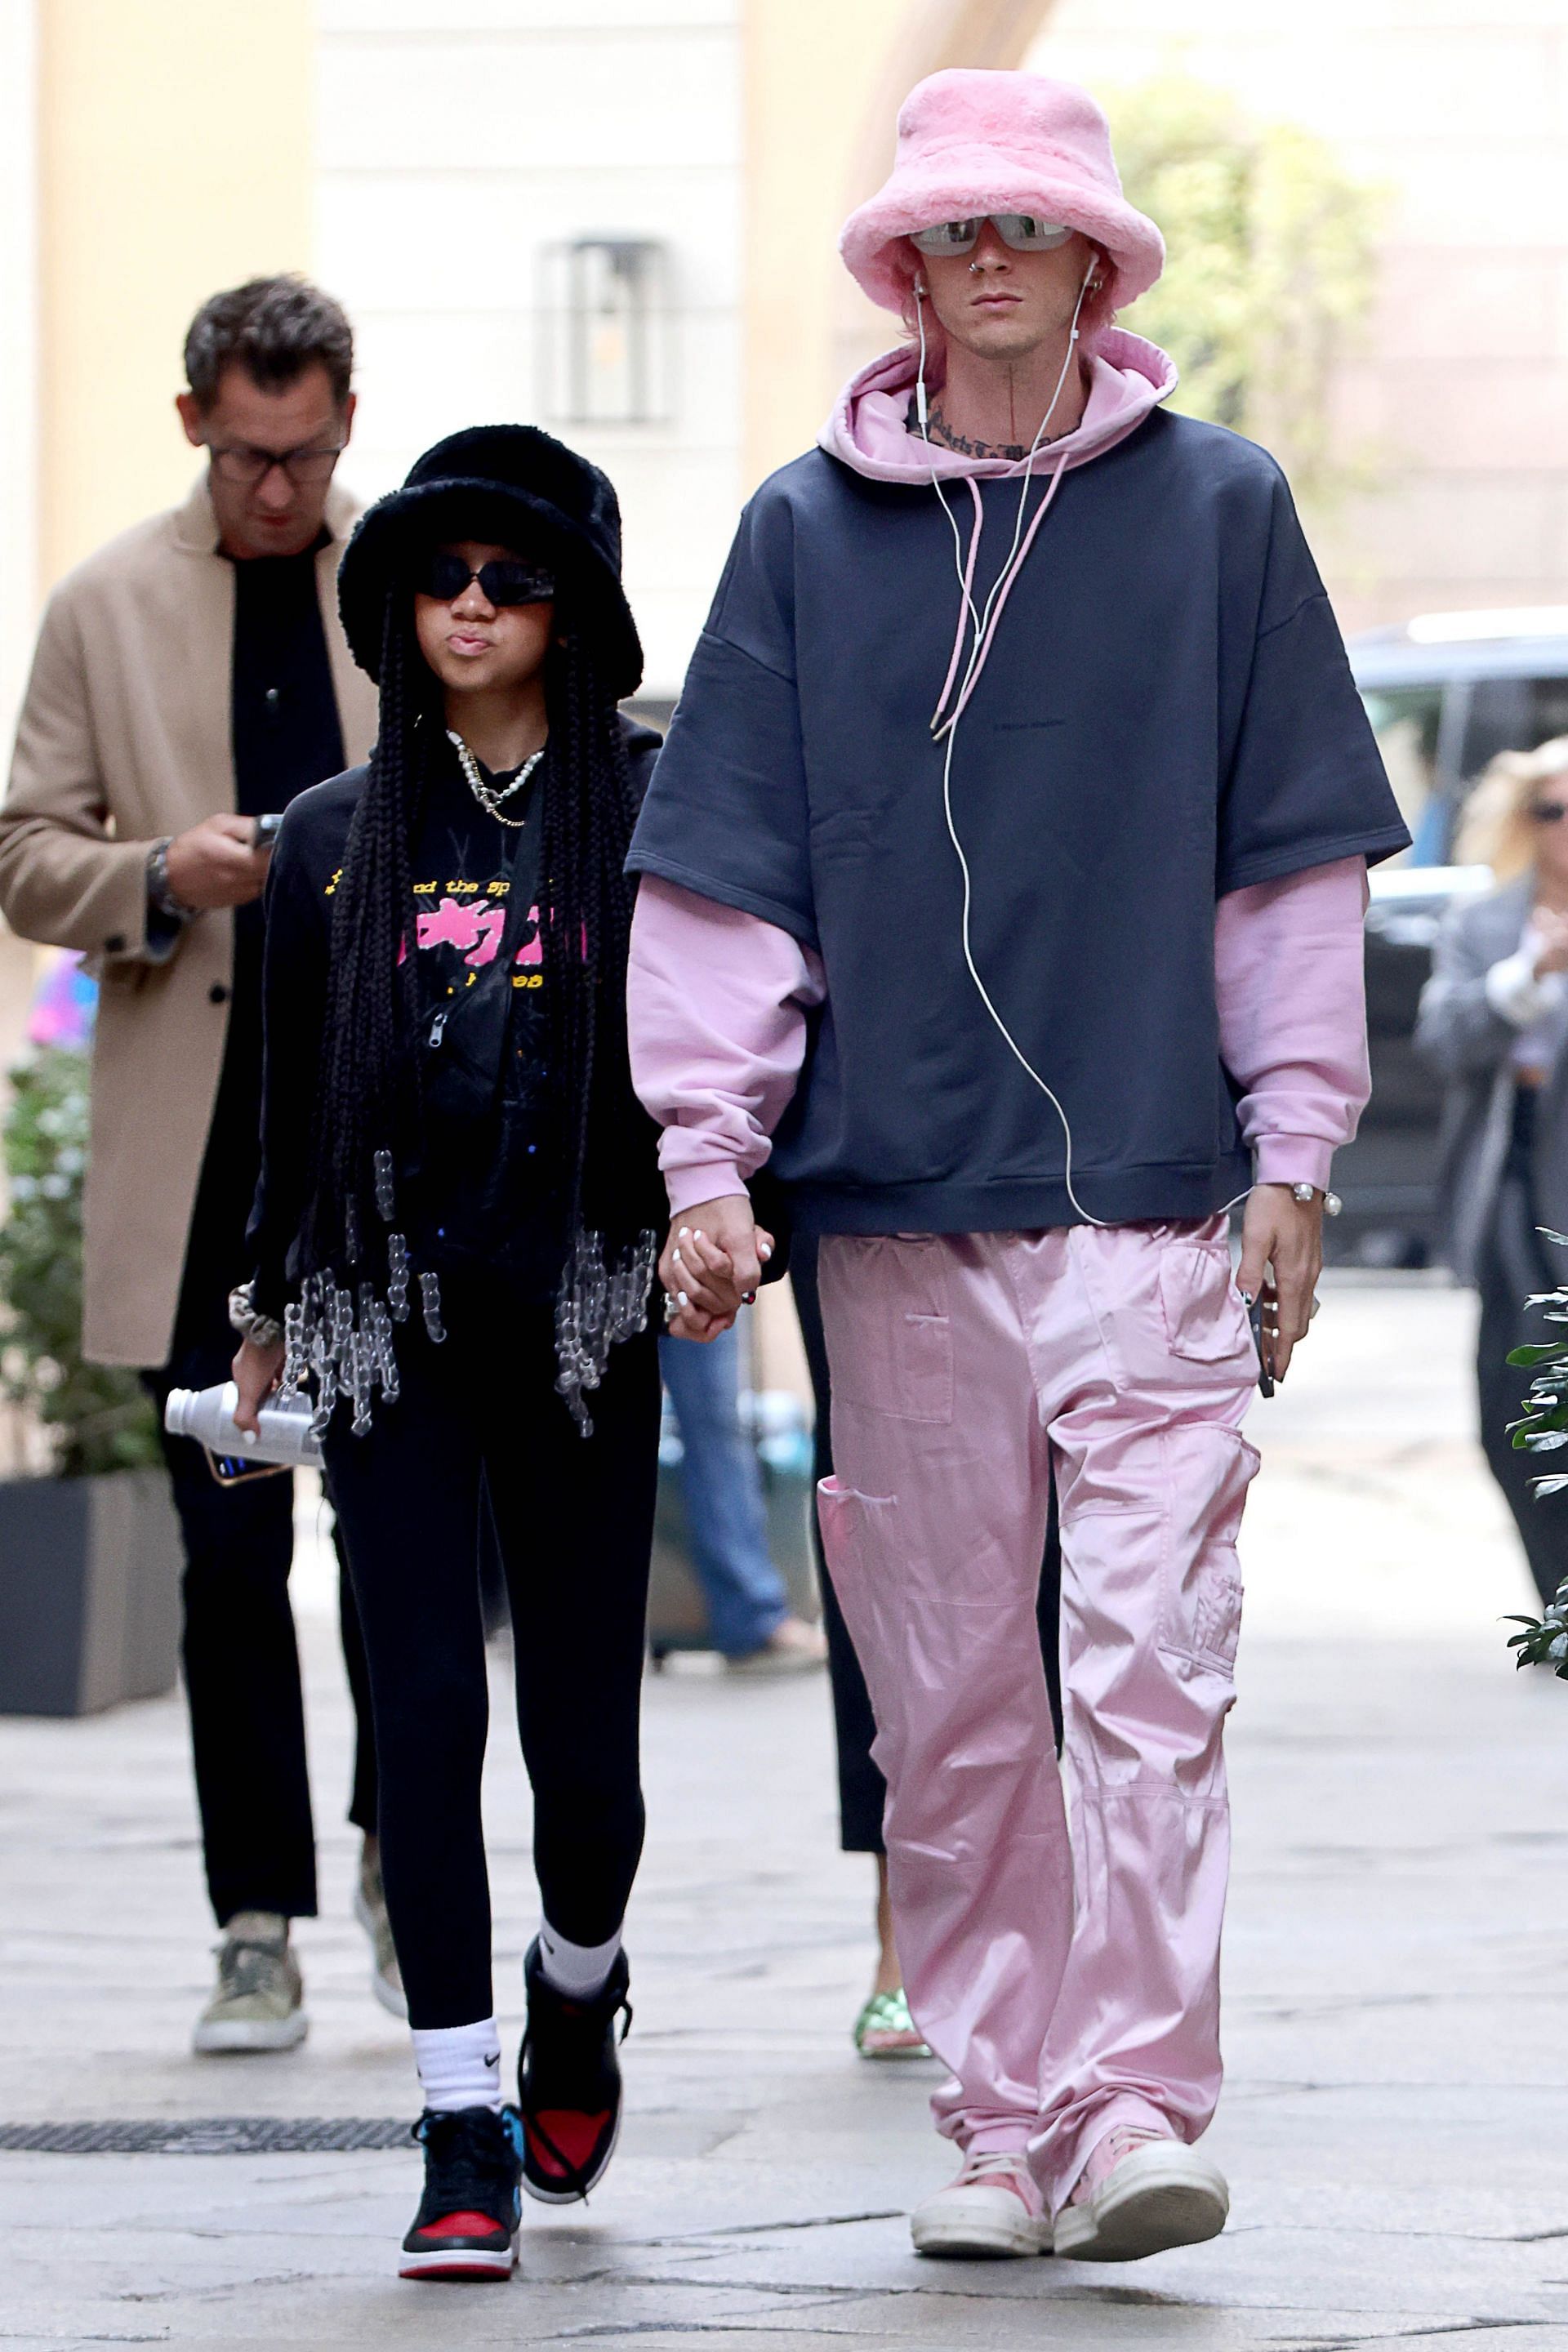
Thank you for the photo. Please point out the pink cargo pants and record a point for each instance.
(1069, 1981)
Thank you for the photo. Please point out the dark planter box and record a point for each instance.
(90, 1592)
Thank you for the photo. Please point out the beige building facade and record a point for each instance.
(435, 164)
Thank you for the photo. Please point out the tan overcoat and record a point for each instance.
(125, 737)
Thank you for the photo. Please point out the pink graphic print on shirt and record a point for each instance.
(474, 926)
(531, 951)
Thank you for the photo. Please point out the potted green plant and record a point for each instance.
(89, 1553)
(1544, 1429)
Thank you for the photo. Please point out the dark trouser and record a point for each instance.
(1512, 1266)
(574, 1518)
(242, 1667)
(862, 1790)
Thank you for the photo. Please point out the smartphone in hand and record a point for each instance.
(1255, 1316)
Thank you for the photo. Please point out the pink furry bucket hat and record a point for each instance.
(971, 142)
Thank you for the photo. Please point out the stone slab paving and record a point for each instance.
(1395, 2125)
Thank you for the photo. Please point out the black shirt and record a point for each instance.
(483, 1185)
(286, 736)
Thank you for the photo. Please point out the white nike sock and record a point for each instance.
(579, 1971)
(459, 2065)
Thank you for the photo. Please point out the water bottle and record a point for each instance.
(207, 1414)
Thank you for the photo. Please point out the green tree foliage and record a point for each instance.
(97, 1418)
(1271, 266)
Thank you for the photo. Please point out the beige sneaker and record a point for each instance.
(991, 2211)
(793, 1647)
(1140, 2193)
(259, 2003)
(370, 1910)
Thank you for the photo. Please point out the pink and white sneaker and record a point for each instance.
(994, 2209)
(1140, 2193)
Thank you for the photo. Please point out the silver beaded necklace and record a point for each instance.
(486, 795)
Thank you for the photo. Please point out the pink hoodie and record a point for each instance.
(717, 999)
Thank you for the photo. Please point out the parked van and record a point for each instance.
(1445, 694)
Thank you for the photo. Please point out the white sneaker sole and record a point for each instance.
(394, 2002)
(247, 2037)
(975, 2225)
(1156, 2198)
(468, 2263)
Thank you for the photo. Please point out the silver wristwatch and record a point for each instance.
(263, 1330)
(158, 888)
(1308, 1193)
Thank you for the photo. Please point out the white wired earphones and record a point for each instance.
(982, 624)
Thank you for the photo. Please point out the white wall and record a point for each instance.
(19, 349)
(1459, 390)
(455, 141)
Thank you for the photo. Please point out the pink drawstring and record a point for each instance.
(1000, 594)
(966, 605)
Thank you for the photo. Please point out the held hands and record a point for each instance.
(1282, 1258)
(256, 1373)
(215, 865)
(711, 1264)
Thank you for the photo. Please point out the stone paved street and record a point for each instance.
(1396, 2125)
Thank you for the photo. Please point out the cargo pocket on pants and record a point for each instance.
(891, 1345)
(1202, 1310)
(860, 1546)
(1209, 1470)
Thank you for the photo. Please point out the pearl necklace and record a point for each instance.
(488, 799)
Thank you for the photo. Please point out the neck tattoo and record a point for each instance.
(1014, 452)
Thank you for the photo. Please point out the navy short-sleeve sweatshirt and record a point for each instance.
(1166, 715)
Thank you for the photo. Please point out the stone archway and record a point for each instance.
(825, 79)
(934, 34)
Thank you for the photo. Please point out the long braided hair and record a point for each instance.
(369, 1111)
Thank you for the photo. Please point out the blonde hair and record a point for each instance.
(1496, 829)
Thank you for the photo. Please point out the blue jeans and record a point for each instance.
(722, 1489)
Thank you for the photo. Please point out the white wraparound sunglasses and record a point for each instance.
(1019, 232)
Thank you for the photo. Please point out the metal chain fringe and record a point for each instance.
(338, 1336)
(596, 1306)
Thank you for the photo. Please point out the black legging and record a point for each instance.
(862, 1790)
(574, 1518)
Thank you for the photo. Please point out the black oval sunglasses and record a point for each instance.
(506, 580)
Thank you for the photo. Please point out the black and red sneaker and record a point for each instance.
(569, 2083)
(470, 2213)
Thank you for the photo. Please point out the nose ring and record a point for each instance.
(974, 269)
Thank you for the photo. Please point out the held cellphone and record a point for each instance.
(238, 1469)
(1255, 1316)
(266, 834)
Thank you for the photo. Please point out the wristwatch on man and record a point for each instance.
(158, 890)
(1308, 1193)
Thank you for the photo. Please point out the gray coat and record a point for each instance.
(1457, 1032)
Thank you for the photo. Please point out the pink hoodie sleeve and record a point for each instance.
(718, 1002)
(716, 1009)
(1289, 979)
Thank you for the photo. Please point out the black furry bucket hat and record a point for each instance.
(517, 487)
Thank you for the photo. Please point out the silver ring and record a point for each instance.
(671, 1307)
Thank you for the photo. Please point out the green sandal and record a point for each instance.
(889, 2013)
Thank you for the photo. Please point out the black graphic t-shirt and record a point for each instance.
(485, 1186)
(486, 1179)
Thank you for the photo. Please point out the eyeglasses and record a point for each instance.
(1019, 232)
(247, 467)
(505, 581)
(1549, 811)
